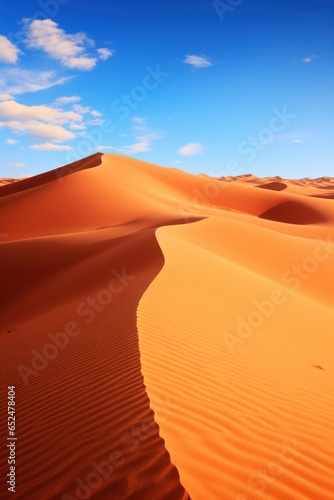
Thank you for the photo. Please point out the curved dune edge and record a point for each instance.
(144, 380)
(85, 423)
(242, 402)
(51, 176)
(85, 410)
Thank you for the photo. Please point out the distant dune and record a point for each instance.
(169, 336)
(6, 181)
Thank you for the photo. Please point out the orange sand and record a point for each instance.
(169, 335)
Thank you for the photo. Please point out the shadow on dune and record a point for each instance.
(51, 259)
(326, 196)
(38, 180)
(99, 373)
(293, 212)
(274, 186)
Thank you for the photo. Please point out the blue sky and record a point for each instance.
(223, 87)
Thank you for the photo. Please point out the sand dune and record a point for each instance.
(4, 182)
(169, 335)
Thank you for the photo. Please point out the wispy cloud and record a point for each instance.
(104, 53)
(50, 147)
(61, 101)
(16, 165)
(8, 51)
(75, 51)
(83, 110)
(286, 137)
(19, 81)
(93, 112)
(198, 62)
(309, 59)
(143, 139)
(191, 149)
(77, 126)
(103, 147)
(138, 120)
(142, 144)
(96, 122)
(11, 142)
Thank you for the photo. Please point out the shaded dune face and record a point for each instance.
(55, 281)
(293, 212)
(88, 412)
(328, 196)
(275, 186)
(169, 335)
(58, 174)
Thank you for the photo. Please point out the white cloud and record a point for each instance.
(309, 59)
(82, 63)
(198, 61)
(81, 109)
(95, 113)
(67, 100)
(50, 147)
(11, 142)
(191, 149)
(16, 165)
(8, 51)
(104, 54)
(86, 109)
(6, 97)
(40, 122)
(19, 81)
(12, 110)
(71, 50)
(48, 124)
(40, 131)
(298, 141)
